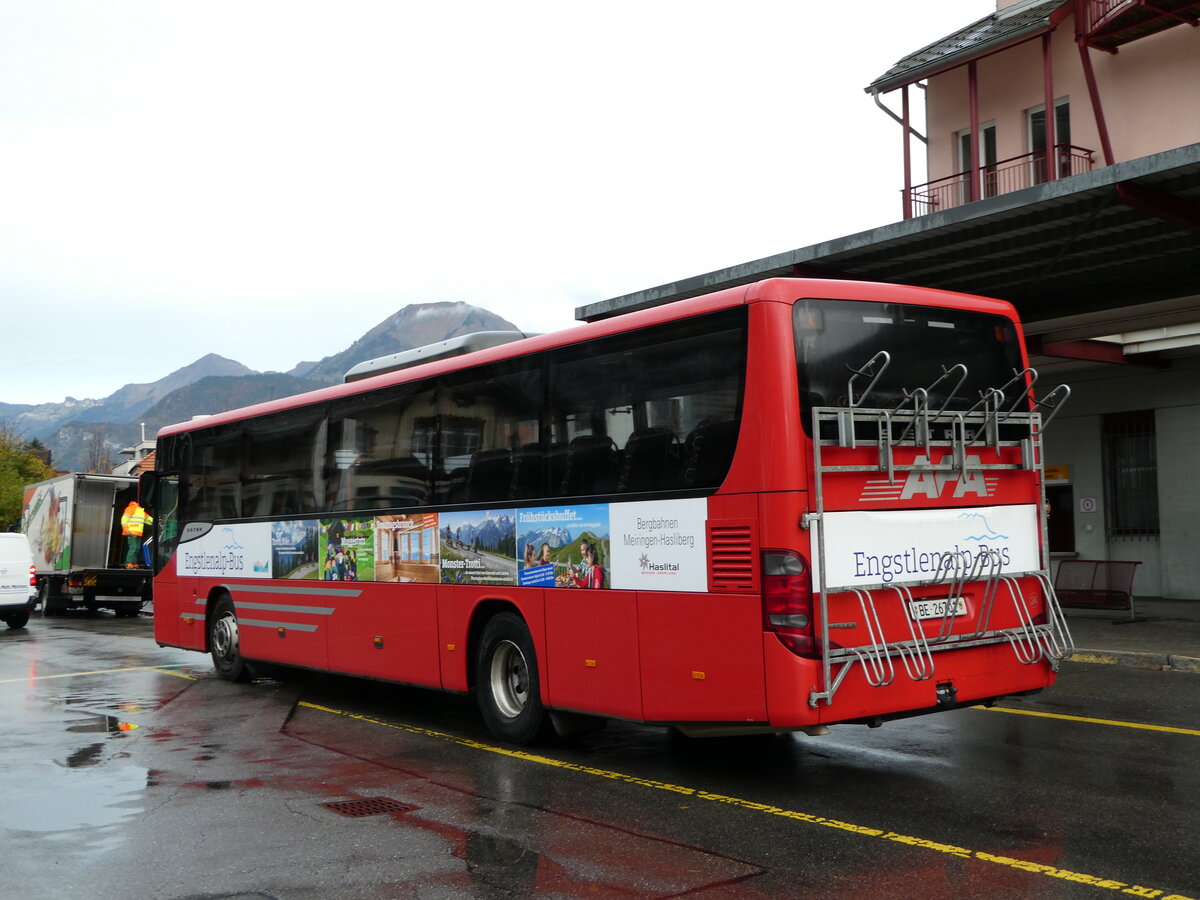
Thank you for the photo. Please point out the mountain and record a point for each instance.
(72, 445)
(212, 384)
(217, 393)
(134, 399)
(9, 410)
(413, 326)
(123, 406)
(43, 419)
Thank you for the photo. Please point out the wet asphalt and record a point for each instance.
(131, 771)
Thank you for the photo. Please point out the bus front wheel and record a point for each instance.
(507, 684)
(223, 641)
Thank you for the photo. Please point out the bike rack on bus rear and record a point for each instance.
(977, 427)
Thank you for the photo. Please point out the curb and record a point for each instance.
(1185, 663)
(1138, 660)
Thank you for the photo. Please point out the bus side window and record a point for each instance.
(215, 471)
(376, 456)
(591, 466)
(489, 432)
(527, 470)
(277, 471)
(708, 453)
(651, 410)
(650, 461)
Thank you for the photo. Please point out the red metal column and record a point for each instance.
(1081, 25)
(973, 173)
(1097, 109)
(907, 157)
(1051, 162)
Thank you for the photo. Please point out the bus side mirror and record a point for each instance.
(147, 485)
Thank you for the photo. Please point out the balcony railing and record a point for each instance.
(1107, 24)
(1095, 11)
(1001, 177)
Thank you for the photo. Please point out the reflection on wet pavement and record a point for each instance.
(51, 797)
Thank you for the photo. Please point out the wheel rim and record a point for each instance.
(510, 679)
(225, 638)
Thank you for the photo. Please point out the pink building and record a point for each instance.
(1123, 78)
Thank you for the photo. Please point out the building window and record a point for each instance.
(985, 181)
(1131, 474)
(1062, 140)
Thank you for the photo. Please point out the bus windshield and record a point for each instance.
(835, 338)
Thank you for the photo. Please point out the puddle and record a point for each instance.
(85, 756)
(50, 797)
(94, 723)
(500, 863)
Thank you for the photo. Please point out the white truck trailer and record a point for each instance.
(74, 527)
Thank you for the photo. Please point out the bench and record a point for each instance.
(1095, 584)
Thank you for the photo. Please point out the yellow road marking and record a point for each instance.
(1113, 722)
(162, 669)
(810, 818)
(166, 670)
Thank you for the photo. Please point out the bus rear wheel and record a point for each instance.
(223, 642)
(508, 689)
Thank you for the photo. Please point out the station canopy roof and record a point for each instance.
(1110, 252)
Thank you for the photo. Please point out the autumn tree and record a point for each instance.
(98, 458)
(20, 464)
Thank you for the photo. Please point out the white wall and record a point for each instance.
(1170, 563)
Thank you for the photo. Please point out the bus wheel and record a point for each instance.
(506, 680)
(223, 641)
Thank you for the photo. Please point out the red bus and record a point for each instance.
(776, 507)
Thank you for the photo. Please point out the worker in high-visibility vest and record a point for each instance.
(133, 522)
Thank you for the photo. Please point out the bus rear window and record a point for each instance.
(834, 338)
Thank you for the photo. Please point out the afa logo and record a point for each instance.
(948, 483)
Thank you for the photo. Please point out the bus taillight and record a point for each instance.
(787, 600)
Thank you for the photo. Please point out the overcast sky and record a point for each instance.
(268, 180)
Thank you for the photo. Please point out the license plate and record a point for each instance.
(936, 608)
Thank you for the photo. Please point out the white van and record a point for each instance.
(17, 593)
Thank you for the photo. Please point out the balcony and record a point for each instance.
(1107, 24)
(1001, 177)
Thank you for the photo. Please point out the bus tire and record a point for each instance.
(223, 641)
(507, 686)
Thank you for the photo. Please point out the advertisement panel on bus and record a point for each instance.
(649, 546)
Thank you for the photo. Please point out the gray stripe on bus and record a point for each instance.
(315, 591)
(296, 626)
(258, 622)
(287, 608)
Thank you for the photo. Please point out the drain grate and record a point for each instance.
(369, 806)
